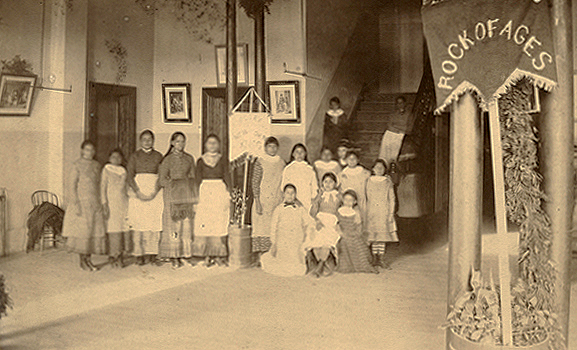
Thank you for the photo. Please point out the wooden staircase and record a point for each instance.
(370, 121)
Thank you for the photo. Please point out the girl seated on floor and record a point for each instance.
(289, 225)
(321, 245)
(353, 250)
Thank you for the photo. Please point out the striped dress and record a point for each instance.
(354, 254)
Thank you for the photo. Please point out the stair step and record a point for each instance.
(376, 106)
(362, 114)
(371, 125)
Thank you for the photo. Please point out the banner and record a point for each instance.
(248, 132)
(487, 45)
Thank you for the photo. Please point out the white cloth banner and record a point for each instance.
(391, 146)
(248, 132)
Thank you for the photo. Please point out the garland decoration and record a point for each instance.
(533, 296)
(199, 17)
(17, 65)
(254, 7)
(119, 53)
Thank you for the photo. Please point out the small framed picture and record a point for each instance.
(284, 101)
(242, 64)
(176, 103)
(16, 92)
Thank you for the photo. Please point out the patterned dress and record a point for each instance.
(302, 175)
(381, 223)
(85, 232)
(176, 176)
(354, 253)
(213, 210)
(266, 185)
(289, 226)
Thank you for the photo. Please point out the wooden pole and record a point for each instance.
(501, 218)
(465, 197)
(556, 129)
(260, 56)
(231, 56)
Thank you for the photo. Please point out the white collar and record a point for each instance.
(330, 195)
(346, 211)
(354, 171)
(147, 150)
(335, 113)
(117, 169)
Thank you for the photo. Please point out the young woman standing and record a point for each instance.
(84, 222)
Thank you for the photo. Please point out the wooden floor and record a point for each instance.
(194, 308)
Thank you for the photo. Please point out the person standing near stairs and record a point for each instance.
(395, 133)
(336, 125)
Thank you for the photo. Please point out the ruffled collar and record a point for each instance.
(379, 178)
(335, 113)
(147, 150)
(301, 163)
(330, 195)
(211, 159)
(347, 211)
(116, 169)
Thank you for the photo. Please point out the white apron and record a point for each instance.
(145, 215)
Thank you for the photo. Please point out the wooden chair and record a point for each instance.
(48, 235)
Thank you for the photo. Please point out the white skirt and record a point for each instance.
(145, 215)
(213, 210)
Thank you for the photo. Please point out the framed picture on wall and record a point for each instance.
(16, 92)
(176, 103)
(284, 101)
(242, 64)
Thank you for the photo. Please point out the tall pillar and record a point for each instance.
(465, 196)
(260, 55)
(231, 69)
(556, 129)
(54, 76)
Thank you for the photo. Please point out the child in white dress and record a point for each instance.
(381, 224)
(354, 177)
(289, 225)
(301, 175)
(115, 206)
(321, 243)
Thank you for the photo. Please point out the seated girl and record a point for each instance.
(354, 254)
(321, 245)
(289, 224)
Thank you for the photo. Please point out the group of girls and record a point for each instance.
(150, 208)
(321, 218)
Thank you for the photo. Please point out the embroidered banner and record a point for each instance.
(487, 45)
(248, 132)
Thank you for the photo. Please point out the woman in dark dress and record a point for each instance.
(336, 125)
(213, 210)
(176, 176)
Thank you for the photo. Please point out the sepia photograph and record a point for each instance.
(288, 174)
(16, 94)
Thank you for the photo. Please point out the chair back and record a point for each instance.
(42, 196)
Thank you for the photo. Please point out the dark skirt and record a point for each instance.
(211, 246)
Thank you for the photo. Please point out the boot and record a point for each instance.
(140, 261)
(154, 260)
(377, 260)
(90, 264)
(83, 265)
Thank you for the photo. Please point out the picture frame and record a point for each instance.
(176, 103)
(16, 94)
(284, 101)
(242, 64)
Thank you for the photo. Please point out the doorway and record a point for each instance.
(111, 121)
(214, 114)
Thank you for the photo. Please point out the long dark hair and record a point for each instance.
(120, 153)
(147, 132)
(383, 162)
(304, 148)
(214, 136)
(172, 138)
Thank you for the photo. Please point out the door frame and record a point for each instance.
(91, 110)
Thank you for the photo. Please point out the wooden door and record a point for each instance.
(111, 121)
(214, 114)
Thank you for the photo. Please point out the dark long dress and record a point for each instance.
(354, 253)
(334, 133)
(213, 210)
(176, 176)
